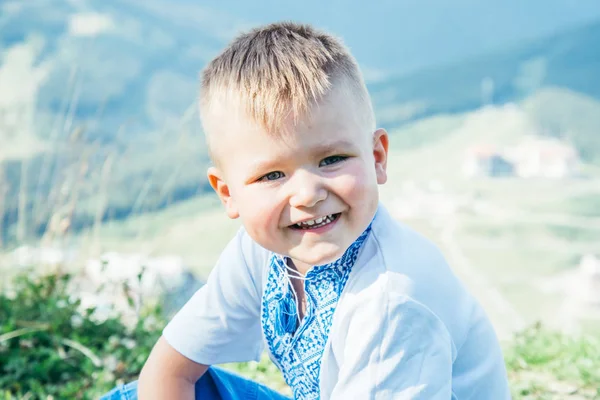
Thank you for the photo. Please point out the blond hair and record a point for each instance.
(280, 70)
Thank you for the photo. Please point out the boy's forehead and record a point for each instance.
(338, 114)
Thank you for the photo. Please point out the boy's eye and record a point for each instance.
(271, 176)
(331, 160)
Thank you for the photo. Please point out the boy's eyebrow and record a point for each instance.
(326, 148)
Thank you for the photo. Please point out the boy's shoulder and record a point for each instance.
(401, 266)
(402, 249)
(242, 253)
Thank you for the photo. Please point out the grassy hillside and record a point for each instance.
(568, 115)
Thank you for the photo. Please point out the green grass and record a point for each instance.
(570, 116)
(575, 234)
(148, 225)
(586, 205)
(548, 365)
(49, 346)
(264, 371)
(424, 132)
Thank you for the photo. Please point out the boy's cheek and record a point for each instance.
(259, 211)
(355, 182)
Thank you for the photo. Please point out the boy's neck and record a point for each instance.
(299, 266)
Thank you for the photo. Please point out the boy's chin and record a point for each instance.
(321, 259)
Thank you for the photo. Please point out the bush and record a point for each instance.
(50, 346)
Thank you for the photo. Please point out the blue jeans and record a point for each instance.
(215, 384)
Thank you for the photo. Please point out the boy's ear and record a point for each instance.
(380, 153)
(215, 178)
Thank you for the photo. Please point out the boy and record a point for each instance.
(349, 303)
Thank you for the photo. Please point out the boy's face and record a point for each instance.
(308, 193)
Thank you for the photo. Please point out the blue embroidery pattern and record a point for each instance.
(298, 352)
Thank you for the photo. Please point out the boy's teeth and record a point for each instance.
(319, 221)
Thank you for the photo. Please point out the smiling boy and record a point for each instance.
(349, 303)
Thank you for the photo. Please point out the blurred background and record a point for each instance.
(493, 108)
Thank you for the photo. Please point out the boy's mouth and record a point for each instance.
(316, 223)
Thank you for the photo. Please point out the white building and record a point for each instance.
(539, 157)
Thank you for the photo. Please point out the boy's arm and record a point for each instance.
(168, 375)
(219, 324)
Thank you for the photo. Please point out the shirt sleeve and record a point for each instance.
(394, 348)
(221, 322)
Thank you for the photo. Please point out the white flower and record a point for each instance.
(76, 321)
(113, 341)
(128, 343)
(150, 323)
(110, 363)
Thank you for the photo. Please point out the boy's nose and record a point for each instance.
(307, 191)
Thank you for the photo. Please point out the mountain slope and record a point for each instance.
(569, 60)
